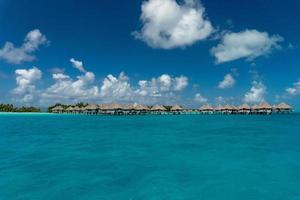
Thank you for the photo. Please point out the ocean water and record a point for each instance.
(149, 157)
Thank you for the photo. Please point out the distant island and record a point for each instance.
(263, 108)
(12, 108)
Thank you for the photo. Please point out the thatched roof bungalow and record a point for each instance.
(244, 109)
(227, 109)
(158, 108)
(218, 108)
(176, 108)
(283, 108)
(140, 107)
(206, 108)
(57, 109)
(76, 109)
(264, 108)
(91, 109)
(234, 109)
(69, 109)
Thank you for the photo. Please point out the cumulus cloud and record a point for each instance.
(295, 89)
(66, 89)
(60, 76)
(248, 44)
(162, 85)
(167, 24)
(181, 83)
(227, 82)
(78, 65)
(17, 55)
(83, 88)
(199, 98)
(116, 88)
(26, 89)
(256, 93)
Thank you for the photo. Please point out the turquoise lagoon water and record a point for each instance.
(149, 157)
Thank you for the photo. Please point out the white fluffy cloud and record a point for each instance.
(167, 24)
(199, 98)
(295, 89)
(60, 76)
(246, 44)
(116, 88)
(181, 83)
(78, 65)
(26, 79)
(18, 55)
(162, 86)
(66, 89)
(227, 82)
(256, 93)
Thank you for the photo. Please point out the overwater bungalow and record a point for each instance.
(140, 109)
(227, 110)
(264, 108)
(58, 109)
(117, 109)
(244, 109)
(234, 110)
(110, 109)
(283, 108)
(76, 110)
(128, 109)
(69, 109)
(206, 109)
(102, 108)
(157, 109)
(176, 110)
(218, 109)
(91, 109)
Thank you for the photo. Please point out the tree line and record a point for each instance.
(12, 108)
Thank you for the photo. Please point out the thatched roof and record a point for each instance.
(70, 108)
(58, 108)
(264, 105)
(206, 107)
(227, 107)
(140, 107)
(128, 107)
(234, 108)
(283, 106)
(158, 108)
(91, 107)
(176, 108)
(76, 108)
(115, 106)
(244, 107)
(103, 106)
(111, 106)
(219, 108)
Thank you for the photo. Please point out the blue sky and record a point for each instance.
(156, 51)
